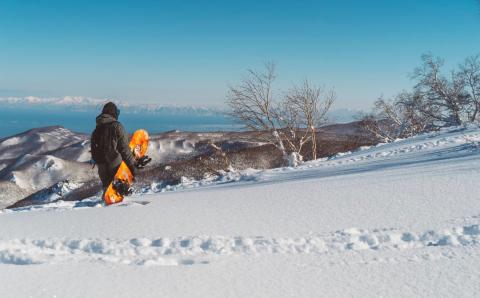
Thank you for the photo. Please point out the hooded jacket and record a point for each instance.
(118, 148)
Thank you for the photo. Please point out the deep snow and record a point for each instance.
(399, 219)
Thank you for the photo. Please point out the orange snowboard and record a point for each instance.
(138, 145)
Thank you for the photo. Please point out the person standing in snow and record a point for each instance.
(109, 145)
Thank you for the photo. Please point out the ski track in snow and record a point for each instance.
(201, 249)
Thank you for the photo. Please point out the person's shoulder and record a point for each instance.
(116, 123)
(118, 126)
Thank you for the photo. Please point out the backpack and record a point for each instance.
(100, 143)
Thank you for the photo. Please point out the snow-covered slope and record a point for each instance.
(10, 193)
(399, 219)
(40, 157)
(33, 173)
(46, 140)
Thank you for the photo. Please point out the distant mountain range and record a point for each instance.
(82, 103)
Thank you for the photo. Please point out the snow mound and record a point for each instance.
(33, 173)
(55, 192)
(170, 148)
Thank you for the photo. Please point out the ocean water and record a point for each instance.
(17, 120)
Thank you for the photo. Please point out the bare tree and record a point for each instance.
(470, 75)
(253, 105)
(415, 120)
(398, 118)
(436, 100)
(384, 123)
(291, 121)
(447, 97)
(306, 108)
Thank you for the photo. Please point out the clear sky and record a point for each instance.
(188, 52)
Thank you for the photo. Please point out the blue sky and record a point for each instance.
(188, 52)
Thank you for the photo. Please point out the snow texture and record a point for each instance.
(188, 250)
(394, 220)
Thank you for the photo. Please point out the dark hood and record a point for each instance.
(104, 119)
(111, 109)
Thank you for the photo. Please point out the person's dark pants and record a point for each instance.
(106, 173)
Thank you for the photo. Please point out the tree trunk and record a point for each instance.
(280, 144)
(314, 143)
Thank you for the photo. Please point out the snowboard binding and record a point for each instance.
(122, 187)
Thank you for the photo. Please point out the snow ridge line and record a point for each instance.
(187, 250)
(418, 145)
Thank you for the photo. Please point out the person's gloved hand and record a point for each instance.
(143, 161)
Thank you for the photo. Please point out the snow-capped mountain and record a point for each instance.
(341, 115)
(66, 100)
(39, 141)
(40, 157)
(86, 103)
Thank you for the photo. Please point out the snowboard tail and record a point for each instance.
(123, 179)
